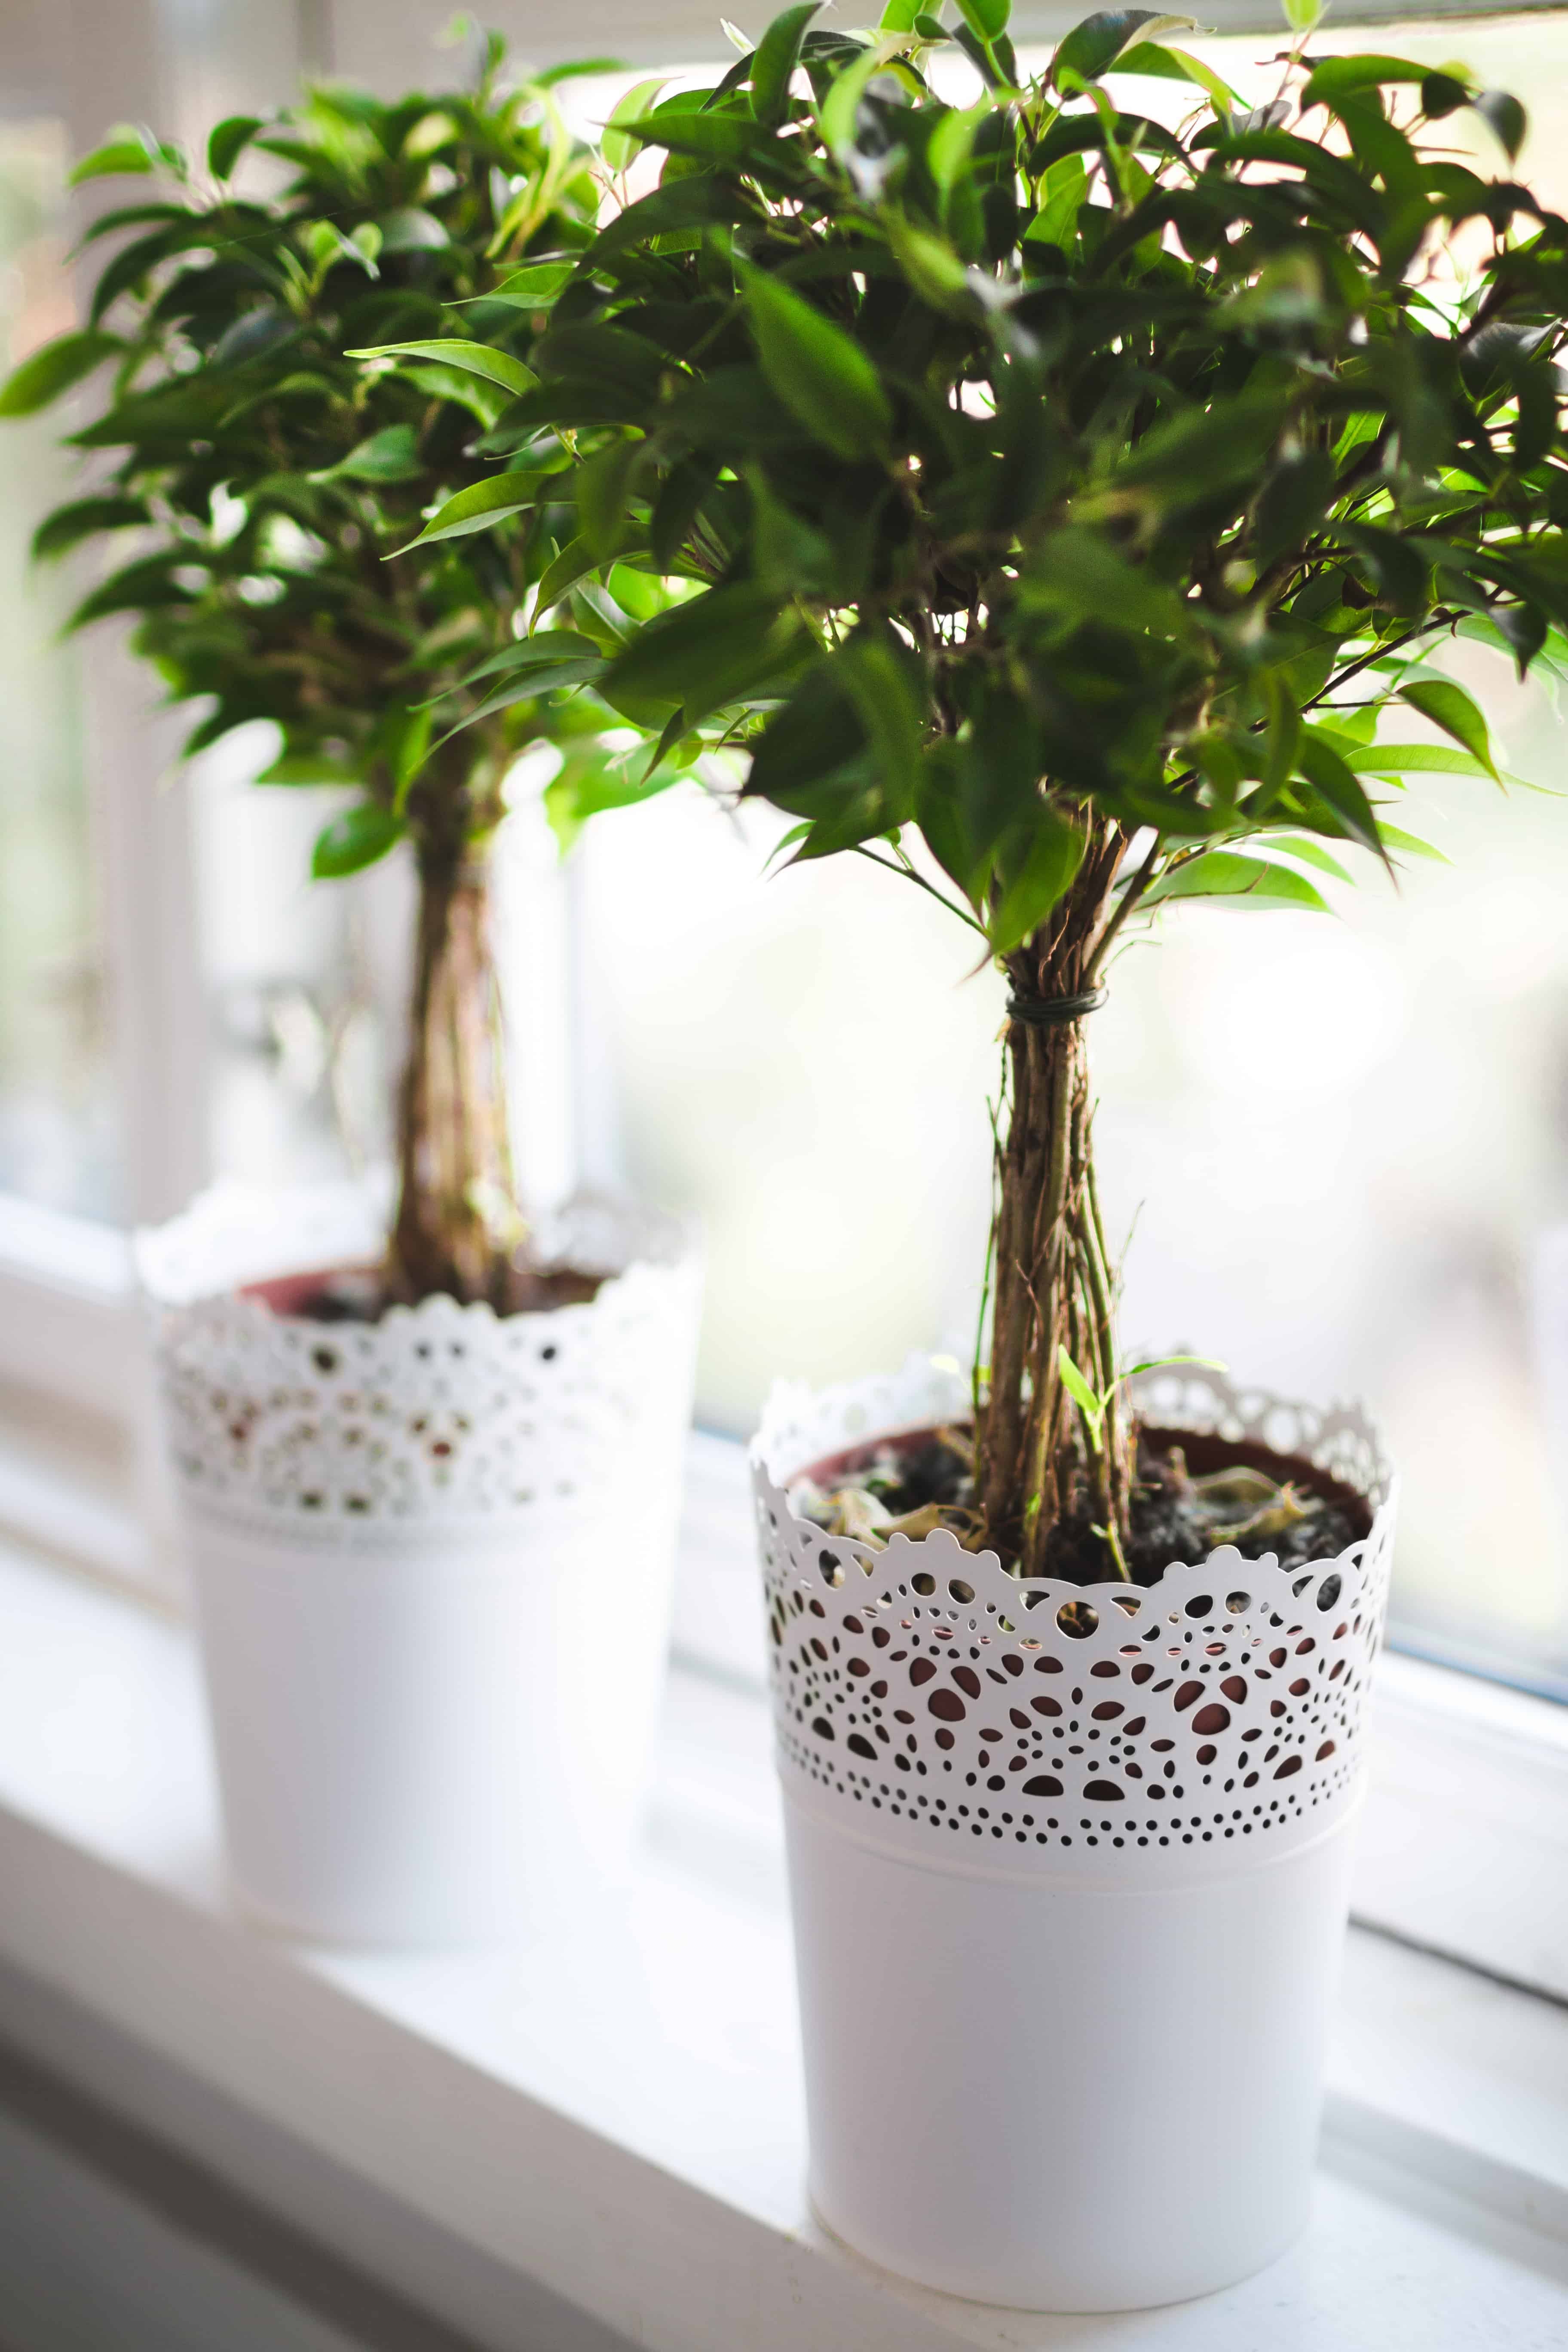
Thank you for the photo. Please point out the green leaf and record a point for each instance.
(1166, 64)
(454, 352)
(228, 140)
(575, 560)
(1238, 881)
(1093, 46)
(1447, 705)
(617, 145)
(1081, 1393)
(1294, 501)
(702, 655)
(683, 203)
(820, 374)
(816, 735)
(722, 139)
(588, 784)
(122, 153)
(1505, 118)
(548, 648)
(53, 368)
(310, 768)
(477, 508)
(1054, 854)
(1337, 77)
(1410, 844)
(411, 229)
(145, 585)
(840, 109)
(986, 19)
(1302, 845)
(1203, 450)
(533, 288)
(884, 682)
(1076, 575)
(390, 455)
(357, 838)
(603, 483)
(1414, 758)
(1335, 781)
(932, 266)
(84, 518)
(789, 554)
(775, 59)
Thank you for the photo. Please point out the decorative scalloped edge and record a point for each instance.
(932, 1701)
(436, 1412)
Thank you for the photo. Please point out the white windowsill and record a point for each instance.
(615, 2112)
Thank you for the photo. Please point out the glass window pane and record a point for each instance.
(57, 1140)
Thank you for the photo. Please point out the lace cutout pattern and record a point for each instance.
(942, 1701)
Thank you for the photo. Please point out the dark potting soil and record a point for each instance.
(1170, 1522)
(358, 1294)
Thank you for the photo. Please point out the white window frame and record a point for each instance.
(1464, 1844)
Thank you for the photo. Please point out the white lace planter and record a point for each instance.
(1069, 1902)
(431, 1559)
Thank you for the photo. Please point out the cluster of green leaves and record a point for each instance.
(1033, 466)
(268, 494)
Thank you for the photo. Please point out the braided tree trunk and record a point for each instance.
(1039, 1459)
(457, 1228)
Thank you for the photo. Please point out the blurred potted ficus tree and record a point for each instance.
(1068, 481)
(436, 1422)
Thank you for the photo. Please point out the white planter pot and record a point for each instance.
(1067, 1907)
(432, 1702)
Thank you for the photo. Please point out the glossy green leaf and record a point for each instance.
(617, 145)
(1414, 759)
(773, 62)
(456, 351)
(534, 287)
(356, 839)
(390, 455)
(123, 154)
(1336, 782)
(820, 374)
(1448, 706)
(312, 768)
(985, 19)
(145, 585)
(1053, 856)
(83, 519)
(573, 563)
(478, 509)
(1093, 46)
(1081, 1393)
(1505, 116)
(841, 110)
(588, 784)
(704, 653)
(409, 229)
(53, 369)
(228, 140)
(1237, 881)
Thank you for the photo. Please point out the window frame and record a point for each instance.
(1462, 1827)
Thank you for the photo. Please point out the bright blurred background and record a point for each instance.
(1336, 1142)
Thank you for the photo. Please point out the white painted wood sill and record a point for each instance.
(614, 2112)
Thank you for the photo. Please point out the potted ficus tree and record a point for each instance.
(1065, 506)
(401, 1445)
